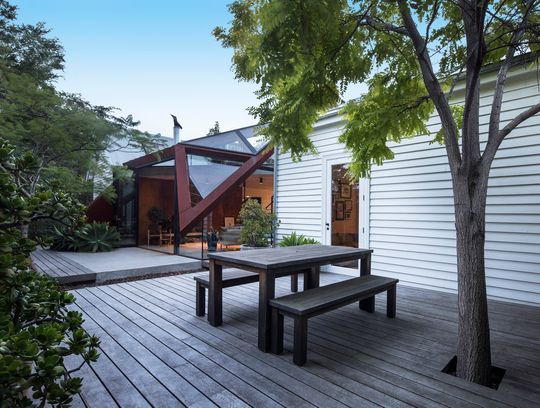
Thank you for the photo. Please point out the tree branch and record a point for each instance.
(382, 26)
(494, 136)
(433, 87)
(473, 18)
(493, 144)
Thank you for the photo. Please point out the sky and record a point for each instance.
(149, 59)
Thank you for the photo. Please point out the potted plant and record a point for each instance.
(257, 225)
(212, 240)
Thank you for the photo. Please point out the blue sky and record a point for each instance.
(148, 58)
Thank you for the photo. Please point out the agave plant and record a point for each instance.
(294, 240)
(94, 237)
(63, 240)
(97, 237)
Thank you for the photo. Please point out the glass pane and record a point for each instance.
(345, 214)
(207, 173)
(192, 243)
(156, 206)
(231, 141)
(255, 140)
(126, 218)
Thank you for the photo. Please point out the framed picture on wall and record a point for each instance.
(348, 205)
(340, 210)
(345, 191)
(229, 222)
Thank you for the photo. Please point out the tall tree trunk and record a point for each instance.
(473, 350)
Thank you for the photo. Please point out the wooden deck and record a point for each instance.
(155, 352)
(63, 269)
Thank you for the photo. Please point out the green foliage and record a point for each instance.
(305, 55)
(257, 224)
(68, 136)
(294, 240)
(214, 130)
(38, 331)
(94, 237)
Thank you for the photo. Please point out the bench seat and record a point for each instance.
(302, 306)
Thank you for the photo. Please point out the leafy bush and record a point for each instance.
(294, 240)
(94, 237)
(98, 237)
(35, 342)
(37, 329)
(257, 224)
(42, 228)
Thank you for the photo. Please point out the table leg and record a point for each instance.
(267, 288)
(215, 292)
(365, 270)
(312, 277)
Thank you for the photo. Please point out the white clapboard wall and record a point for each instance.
(411, 227)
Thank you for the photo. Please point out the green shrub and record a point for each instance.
(34, 344)
(97, 237)
(42, 228)
(257, 224)
(37, 329)
(294, 240)
(94, 237)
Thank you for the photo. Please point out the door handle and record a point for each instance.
(327, 226)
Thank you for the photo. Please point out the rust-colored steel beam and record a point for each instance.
(169, 153)
(156, 157)
(182, 179)
(195, 214)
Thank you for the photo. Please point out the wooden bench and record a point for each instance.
(313, 302)
(231, 277)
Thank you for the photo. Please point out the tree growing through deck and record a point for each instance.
(410, 54)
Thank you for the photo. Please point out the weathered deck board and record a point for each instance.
(63, 269)
(155, 352)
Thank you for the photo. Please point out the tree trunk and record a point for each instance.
(473, 350)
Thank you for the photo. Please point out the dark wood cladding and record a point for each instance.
(153, 193)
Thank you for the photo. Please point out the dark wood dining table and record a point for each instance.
(272, 263)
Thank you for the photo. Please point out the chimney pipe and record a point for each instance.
(176, 130)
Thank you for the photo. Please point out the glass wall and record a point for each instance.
(151, 211)
(156, 206)
(126, 210)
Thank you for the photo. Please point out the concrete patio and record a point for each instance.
(78, 267)
(156, 353)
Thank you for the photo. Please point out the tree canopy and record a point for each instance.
(67, 134)
(304, 56)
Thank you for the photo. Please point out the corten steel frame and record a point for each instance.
(187, 216)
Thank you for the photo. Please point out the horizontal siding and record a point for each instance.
(411, 203)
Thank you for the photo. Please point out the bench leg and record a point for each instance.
(277, 331)
(200, 300)
(391, 302)
(294, 282)
(300, 341)
(215, 293)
